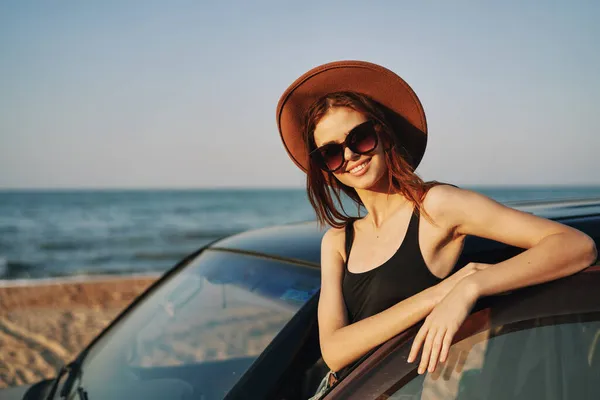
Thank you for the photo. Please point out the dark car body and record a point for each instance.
(264, 283)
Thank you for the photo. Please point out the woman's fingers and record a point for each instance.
(436, 343)
(426, 350)
(446, 346)
(418, 342)
(436, 348)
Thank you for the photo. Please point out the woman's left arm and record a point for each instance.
(553, 251)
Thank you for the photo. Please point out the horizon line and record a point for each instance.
(216, 188)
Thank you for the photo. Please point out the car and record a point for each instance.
(237, 319)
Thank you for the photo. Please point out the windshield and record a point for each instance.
(200, 331)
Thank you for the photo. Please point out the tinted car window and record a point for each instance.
(554, 357)
(200, 331)
(546, 359)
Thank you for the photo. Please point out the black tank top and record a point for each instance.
(402, 276)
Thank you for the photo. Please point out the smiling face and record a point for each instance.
(359, 171)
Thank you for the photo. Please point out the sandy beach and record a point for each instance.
(44, 324)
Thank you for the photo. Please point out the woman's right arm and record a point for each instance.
(341, 343)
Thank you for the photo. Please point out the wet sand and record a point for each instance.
(44, 324)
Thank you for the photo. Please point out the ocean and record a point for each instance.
(46, 234)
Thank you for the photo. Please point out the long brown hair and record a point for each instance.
(324, 190)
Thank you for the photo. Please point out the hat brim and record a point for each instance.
(398, 101)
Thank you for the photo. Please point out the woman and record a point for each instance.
(357, 128)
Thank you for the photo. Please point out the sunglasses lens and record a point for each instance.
(332, 156)
(363, 139)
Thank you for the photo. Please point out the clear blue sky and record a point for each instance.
(183, 93)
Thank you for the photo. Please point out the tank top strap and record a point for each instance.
(412, 233)
(349, 239)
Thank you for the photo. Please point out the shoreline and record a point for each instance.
(45, 323)
(58, 280)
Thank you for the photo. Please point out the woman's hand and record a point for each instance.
(445, 319)
(447, 285)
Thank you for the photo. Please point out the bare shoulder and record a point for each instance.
(449, 205)
(442, 200)
(332, 243)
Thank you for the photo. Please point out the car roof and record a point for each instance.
(301, 242)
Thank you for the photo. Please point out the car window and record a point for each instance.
(543, 358)
(553, 361)
(201, 330)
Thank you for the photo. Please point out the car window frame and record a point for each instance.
(532, 306)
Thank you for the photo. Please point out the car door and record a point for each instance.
(541, 342)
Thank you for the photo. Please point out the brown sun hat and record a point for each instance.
(399, 102)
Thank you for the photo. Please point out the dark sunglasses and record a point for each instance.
(362, 139)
